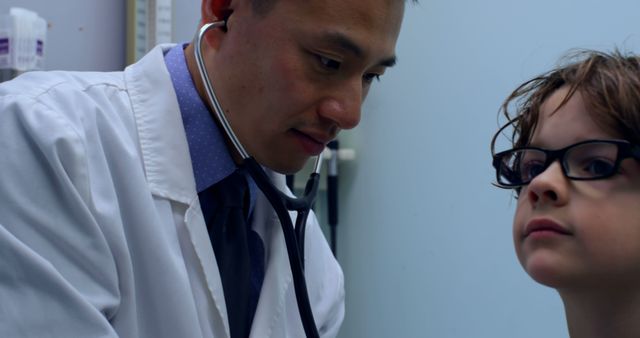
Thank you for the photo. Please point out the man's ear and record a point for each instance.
(212, 11)
(215, 10)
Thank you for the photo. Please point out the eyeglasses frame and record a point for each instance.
(625, 150)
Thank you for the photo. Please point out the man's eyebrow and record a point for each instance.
(388, 62)
(349, 45)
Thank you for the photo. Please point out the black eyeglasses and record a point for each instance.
(587, 160)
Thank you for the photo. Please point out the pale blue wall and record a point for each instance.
(186, 16)
(425, 240)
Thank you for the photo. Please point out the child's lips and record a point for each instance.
(544, 226)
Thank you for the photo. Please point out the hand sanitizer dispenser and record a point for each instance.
(22, 42)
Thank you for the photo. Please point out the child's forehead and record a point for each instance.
(560, 97)
(561, 123)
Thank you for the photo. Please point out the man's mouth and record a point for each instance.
(312, 143)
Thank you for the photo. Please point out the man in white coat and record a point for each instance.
(102, 232)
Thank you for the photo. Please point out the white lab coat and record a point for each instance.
(101, 232)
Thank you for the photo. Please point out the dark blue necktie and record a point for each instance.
(239, 250)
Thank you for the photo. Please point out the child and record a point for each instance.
(575, 168)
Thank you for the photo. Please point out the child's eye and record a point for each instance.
(598, 167)
(329, 63)
(530, 169)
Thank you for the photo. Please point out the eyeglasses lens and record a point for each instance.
(591, 160)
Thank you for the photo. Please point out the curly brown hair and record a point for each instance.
(609, 84)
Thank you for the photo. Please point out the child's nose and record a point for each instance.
(550, 186)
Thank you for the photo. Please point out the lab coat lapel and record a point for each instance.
(277, 284)
(167, 161)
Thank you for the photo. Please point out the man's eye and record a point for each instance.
(368, 78)
(329, 63)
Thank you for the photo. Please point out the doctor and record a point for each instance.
(104, 224)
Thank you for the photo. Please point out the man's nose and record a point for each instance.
(343, 106)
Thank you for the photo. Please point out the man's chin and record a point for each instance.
(291, 166)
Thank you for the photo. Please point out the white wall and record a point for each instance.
(91, 34)
(82, 34)
(425, 240)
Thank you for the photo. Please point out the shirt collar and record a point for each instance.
(210, 155)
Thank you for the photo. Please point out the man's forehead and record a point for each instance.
(372, 14)
(365, 28)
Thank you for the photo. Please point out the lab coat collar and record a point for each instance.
(162, 138)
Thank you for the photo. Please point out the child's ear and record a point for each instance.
(215, 10)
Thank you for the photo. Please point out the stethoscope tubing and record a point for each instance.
(294, 244)
(281, 203)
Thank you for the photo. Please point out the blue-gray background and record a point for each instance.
(424, 239)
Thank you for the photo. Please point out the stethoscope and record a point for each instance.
(281, 203)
